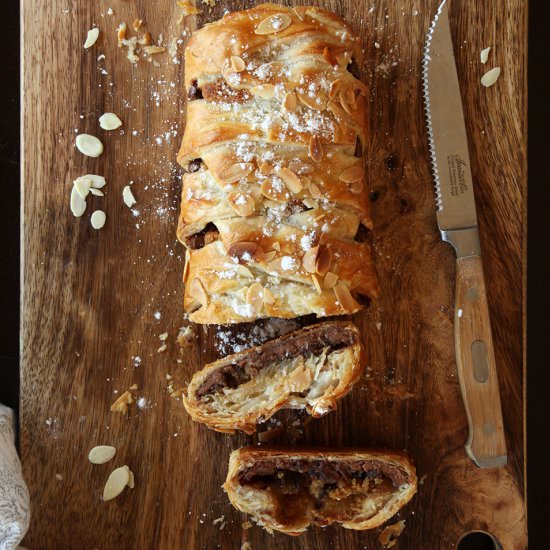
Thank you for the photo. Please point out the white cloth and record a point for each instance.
(14, 496)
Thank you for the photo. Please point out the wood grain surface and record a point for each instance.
(96, 301)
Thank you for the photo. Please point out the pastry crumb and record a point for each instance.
(388, 537)
(121, 404)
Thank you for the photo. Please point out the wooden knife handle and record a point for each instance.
(477, 373)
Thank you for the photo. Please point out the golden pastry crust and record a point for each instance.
(359, 488)
(273, 123)
(309, 369)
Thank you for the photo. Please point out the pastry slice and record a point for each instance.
(309, 369)
(287, 490)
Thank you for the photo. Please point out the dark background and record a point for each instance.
(538, 371)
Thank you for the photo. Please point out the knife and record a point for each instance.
(457, 220)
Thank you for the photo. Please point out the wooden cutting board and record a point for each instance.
(95, 302)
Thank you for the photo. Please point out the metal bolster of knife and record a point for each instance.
(465, 241)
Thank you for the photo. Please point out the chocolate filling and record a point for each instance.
(194, 91)
(362, 234)
(208, 235)
(335, 489)
(329, 472)
(194, 165)
(306, 342)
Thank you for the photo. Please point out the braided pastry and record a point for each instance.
(274, 204)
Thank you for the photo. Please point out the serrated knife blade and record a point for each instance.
(457, 220)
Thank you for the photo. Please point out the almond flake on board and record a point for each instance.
(82, 186)
(96, 192)
(116, 483)
(484, 55)
(78, 204)
(89, 145)
(109, 121)
(136, 25)
(91, 38)
(128, 196)
(490, 77)
(121, 34)
(98, 219)
(101, 454)
(98, 182)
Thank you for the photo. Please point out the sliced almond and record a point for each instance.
(101, 454)
(197, 292)
(237, 63)
(301, 167)
(116, 483)
(344, 297)
(255, 296)
(244, 205)
(330, 279)
(315, 191)
(309, 259)
(336, 110)
(290, 102)
(315, 149)
(82, 186)
(316, 284)
(356, 187)
(98, 219)
(128, 196)
(269, 299)
(136, 25)
(245, 251)
(186, 264)
(91, 38)
(89, 145)
(131, 479)
(243, 271)
(96, 192)
(490, 77)
(292, 181)
(274, 23)
(109, 121)
(323, 260)
(312, 102)
(329, 57)
(484, 55)
(275, 190)
(352, 174)
(98, 182)
(265, 91)
(121, 404)
(236, 172)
